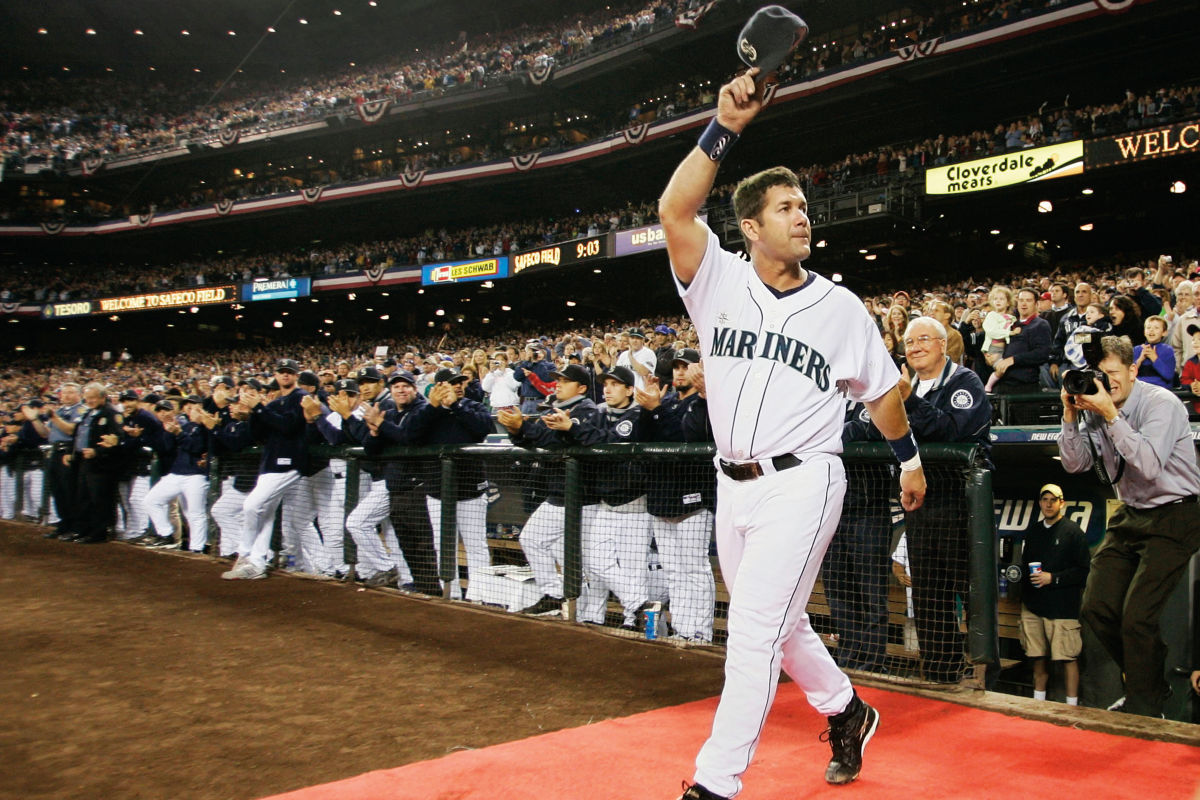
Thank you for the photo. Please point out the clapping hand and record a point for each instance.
(651, 397)
(557, 420)
(511, 418)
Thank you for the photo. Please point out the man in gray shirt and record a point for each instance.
(1140, 436)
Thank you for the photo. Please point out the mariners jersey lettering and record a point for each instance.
(776, 368)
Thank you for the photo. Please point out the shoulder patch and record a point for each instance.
(864, 415)
(962, 399)
(120, 419)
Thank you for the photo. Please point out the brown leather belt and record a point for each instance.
(753, 469)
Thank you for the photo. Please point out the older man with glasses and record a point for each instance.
(945, 402)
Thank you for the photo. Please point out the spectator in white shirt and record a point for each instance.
(499, 384)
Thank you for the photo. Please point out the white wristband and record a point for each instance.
(912, 464)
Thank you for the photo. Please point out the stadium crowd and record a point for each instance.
(60, 135)
(885, 165)
(48, 121)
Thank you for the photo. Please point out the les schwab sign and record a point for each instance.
(460, 271)
(1019, 166)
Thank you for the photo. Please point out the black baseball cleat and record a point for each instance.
(848, 734)
(695, 791)
(546, 605)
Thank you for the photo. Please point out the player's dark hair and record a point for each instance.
(751, 194)
(1118, 346)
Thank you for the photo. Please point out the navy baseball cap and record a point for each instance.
(401, 375)
(687, 355)
(273, 385)
(164, 405)
(193, 398)
(574, 373)
(347, 385)
(152, 398)
(287, 365)
(308, 378)
(638, 332)
(452, 375)
(218, 380)
(623, 374)
(128, 394)
(369, 375)
(768, 37)
(1192, 330)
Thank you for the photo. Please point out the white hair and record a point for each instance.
(938, 327)
(1189, 285)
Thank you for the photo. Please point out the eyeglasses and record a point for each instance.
(921, 340)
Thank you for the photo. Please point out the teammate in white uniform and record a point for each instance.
(781, 346)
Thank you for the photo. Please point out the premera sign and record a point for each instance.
(1019, 166)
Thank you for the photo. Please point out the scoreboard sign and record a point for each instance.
(179, 298)
(560, 255)
(463, 271)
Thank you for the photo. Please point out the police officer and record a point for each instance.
(95, 461)
(405, 425)
(60, 432)
(542, 537)
(681, 500)
(279, 425)
(456, 419)
(944, 403)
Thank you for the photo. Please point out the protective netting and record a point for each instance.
(893, 595)
(610, 536)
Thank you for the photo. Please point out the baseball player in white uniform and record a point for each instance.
(782, 348)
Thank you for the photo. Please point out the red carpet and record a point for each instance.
(923, 748)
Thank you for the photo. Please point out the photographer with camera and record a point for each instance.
(534, 369)
(1136, 437)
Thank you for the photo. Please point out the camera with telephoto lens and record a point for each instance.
(1083, 381)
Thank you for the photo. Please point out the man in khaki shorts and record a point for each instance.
(1056, 562)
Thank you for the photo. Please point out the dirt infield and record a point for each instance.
(127, 673)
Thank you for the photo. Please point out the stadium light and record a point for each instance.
(1045, 207)
(1087, 226)
(1178, 187)
(277, 324)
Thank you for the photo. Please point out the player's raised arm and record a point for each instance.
(687, 237)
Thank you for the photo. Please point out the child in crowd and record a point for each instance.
(1155, 360)
(997, 327)
(1097, 317)
(1191, 368)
